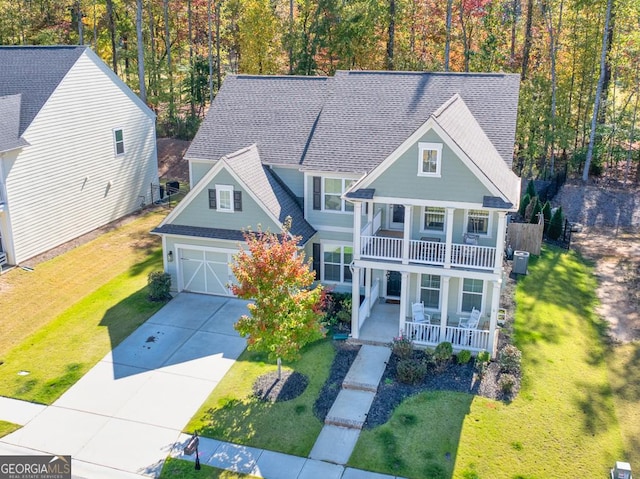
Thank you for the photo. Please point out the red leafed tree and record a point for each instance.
(286, 312)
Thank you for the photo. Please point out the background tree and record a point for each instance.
(286, 312)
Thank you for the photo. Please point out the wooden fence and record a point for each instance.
(526, 236)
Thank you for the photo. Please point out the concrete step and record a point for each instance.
(350, 409)
(335, 444)
(367, 369)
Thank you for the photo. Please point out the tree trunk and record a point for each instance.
(596, 105)
(112, 33)
(553, 50)
(447, 45)
(526, 49)
(167, 39)
(192, 73)
(632, 133)
(392, 29)
(218, 59)
(514, 20)
(141, 81)
(153, 72)
(210, 51)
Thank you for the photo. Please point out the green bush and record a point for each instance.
(443, 352)
(546, 212)
(526, 199)
(482, 362)
(159, 284)
(531, 189)
(464, 356)
(411, 371)
(537, 208)
(507, 383)
(509, 359)
(555, 225)
(402, 347)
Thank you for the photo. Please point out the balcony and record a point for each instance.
(380, 247)
(460, 338)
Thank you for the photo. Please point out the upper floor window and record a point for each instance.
(118, 140)
(430, 291)
(429, 159)
(224, 198)
(478, 222)
(434, 219)
(327, 193)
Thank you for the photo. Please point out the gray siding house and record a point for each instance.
(77, 148)
(399, 184)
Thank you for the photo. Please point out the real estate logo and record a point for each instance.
(35, 467)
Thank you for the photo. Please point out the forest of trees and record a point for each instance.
(579, 60)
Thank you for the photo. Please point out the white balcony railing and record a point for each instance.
(428, 252)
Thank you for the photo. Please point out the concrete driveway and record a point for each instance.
(122, 418)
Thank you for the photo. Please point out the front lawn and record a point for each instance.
(102, 311)
(562, 424)
(179, 469)
(8, 428)
(232, 413)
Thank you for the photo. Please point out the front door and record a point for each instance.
(394, 283)
(396, 217)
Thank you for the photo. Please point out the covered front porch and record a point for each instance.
(383, 324)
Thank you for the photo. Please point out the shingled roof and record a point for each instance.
(351, 122)
(35, 72)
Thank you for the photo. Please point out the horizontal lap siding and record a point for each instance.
(59, 186)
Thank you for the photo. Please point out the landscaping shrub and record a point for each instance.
(555, 225)
(531, 189)
(464, 356)
(482, 362)
(159, 286)
(411, 371)
(443, 352)
(526, 199)
(546, 212)
(537, 209)
(509, 359)
(402, 347)
(507, 383)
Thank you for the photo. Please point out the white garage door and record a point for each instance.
(205, 271)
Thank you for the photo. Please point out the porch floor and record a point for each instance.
(382, 325)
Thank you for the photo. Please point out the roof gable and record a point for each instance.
(246, 168)
(34, 72)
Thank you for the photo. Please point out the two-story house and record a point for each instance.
(77, 148)
(398, 183)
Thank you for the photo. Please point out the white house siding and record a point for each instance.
(70, 181)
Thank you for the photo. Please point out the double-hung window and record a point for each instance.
(434, 219)
(472, 290)
(429, 159)
(332, 190)
(336, 261)
(225, 199)
(478, 222)
(118, 141)
(430, 291)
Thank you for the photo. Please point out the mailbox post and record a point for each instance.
(191, 447)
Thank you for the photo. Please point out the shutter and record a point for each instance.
(316, 260)
(212, 200)
(237, 200)
(317, 193)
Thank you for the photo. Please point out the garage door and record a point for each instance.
(205, 271)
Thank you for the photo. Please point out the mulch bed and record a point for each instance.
(290, 385)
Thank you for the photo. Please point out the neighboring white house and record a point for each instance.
(77, 148)
(397, 182)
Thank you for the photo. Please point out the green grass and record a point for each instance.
(232, 414)
(8, 428)
(64, 349)
(562, 424)
(179, 469)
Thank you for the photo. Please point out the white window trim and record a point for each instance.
(343, 202)
(324, 245)
(115, 142)
(444, 222)
(219, 189)
(430, 146)
(484, 294)
(489, 223)
(420, 288)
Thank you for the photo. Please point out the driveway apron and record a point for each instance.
(126, 413)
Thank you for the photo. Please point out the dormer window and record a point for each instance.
(429, 159)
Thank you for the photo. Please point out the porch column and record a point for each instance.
(367, 289)
(493, 319)
(406, 236)
(404, 301)
(357, 228)
(448, 238)
(355, 303)
(444, 308)
(370, 212)
(500, 235)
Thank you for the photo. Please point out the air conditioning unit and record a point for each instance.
(621, 471)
